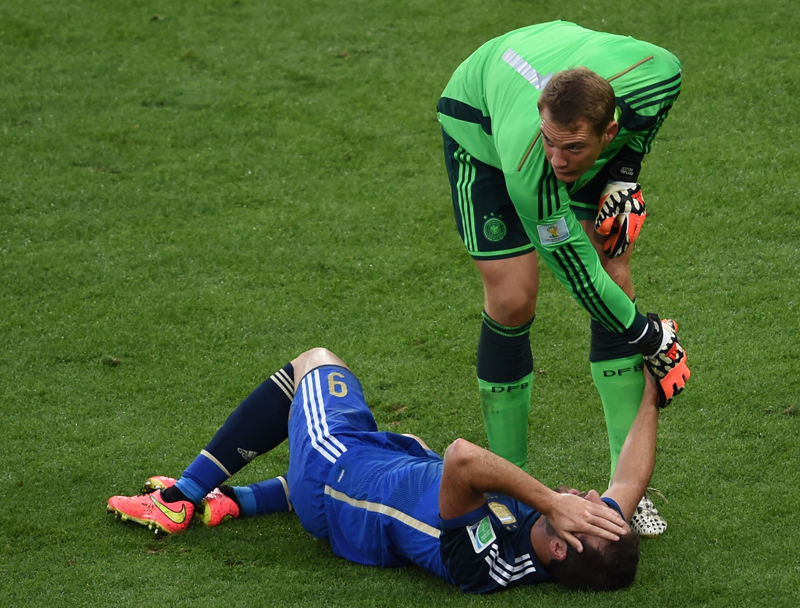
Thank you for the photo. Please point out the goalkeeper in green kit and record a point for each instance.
(545, 129)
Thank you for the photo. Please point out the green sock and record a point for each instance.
(505, 409)
(620, 383)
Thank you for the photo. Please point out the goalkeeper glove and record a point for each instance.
(620, 216)
(668, 363)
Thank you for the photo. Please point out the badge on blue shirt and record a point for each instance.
(481, 534)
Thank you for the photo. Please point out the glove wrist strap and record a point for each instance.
(649, 343)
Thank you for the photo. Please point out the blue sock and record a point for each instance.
(257, 425)
(264, 497)
(201, 477)
(247, 501)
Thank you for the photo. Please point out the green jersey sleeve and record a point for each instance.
(489, 108)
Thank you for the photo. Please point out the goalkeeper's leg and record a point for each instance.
(505, 372)
(617, 371)
(505, 362)
(494, 236)
(617, 368)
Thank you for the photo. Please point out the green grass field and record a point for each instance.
(193, 193)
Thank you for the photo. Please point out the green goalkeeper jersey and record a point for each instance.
(489, 108)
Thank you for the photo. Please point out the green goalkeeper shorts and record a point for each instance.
(485, 216)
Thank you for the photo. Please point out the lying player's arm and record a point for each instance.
(638, 456)
(470, 471)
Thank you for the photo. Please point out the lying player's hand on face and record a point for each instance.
(588, 515)
(566, 490)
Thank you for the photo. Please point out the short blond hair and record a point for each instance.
(579, 94)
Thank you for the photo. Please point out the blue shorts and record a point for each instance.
(373, 494)
(328, 416)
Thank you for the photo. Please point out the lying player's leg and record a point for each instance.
(329, 401)
(260, 498)
(314, 357)
(216, 508)
(258, 425)
(271, 495)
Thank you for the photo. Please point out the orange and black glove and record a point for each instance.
(668, 362)
(620, 216)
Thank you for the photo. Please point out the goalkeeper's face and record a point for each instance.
(572, 150)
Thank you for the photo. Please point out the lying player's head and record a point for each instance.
(578, 94)
(604, 565)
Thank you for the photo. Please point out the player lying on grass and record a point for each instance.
(472, 519)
